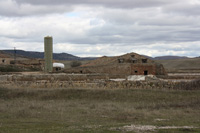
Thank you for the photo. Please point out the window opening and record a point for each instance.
(133, 56)
(144, 60)
(121, 60)
(136, 71)
(134, 61)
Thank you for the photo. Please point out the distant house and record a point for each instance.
(128, 64)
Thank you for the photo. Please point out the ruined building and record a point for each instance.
(128, 64)
(4, 58)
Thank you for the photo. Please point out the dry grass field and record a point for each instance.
(98, 110)
(182, 65)
(52, 110)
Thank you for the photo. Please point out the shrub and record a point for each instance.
(75, 63)
(12, 62)
(9, 69)
(193, 85)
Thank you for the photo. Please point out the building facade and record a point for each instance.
(128, 64)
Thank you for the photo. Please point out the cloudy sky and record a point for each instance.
(102, 27)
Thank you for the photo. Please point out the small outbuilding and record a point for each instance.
(58, 67)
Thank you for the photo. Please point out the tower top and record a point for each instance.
(48, 37)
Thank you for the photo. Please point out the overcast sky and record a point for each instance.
(102, 27)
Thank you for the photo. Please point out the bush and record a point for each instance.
(10, 69)
(12, 62)
(75, 63)
(193, 85)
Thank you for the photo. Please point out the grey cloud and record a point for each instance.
(186, 8)
(148, 16)
(12, 8)
(118, 25)
(108, 3)
(35, 7)
(127, 34)
(141, 26)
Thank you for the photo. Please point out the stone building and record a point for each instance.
(5, 58)
(5, 61)
(128, 64)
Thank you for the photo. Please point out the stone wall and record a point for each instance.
(94, 81)
(101, 84)
(58, 77)
(81, 81)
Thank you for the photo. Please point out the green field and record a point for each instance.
(97, 110)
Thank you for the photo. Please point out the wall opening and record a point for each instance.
(136, 71)
(12, 62)
(81, 71)
(3, 61)
(134, 61)
(145, 72)
(133, 56)
(58, 68)
(144, 60)
(121, 60)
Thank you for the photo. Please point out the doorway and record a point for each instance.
(145, 72)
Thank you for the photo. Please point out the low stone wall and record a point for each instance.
(86, 81)
(104, 84)
(58, 77)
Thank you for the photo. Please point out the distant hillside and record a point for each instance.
(66, 56)
(169, 57)
(148, 57)
(56, 56)
(4, 54)
(181, 64)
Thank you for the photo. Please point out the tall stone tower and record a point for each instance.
(48, 53)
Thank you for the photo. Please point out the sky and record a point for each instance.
(93, 28)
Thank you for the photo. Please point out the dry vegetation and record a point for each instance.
(181, 65)
(68, 63)
(51, 110)
(97, 110)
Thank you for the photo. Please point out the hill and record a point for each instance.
(186, 65)
(4, 54)
(169, 57)
(56, 56)
(66, 56)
